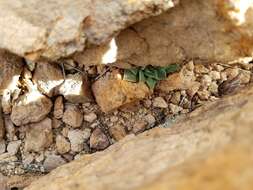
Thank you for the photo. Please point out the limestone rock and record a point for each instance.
(62, 145)
(207, 144)
(10, 70)
(76, 88)
(159, 102)
(98, 140)
(47, 77)
(39, 136)
(58, 107)
(73, 116)
(54, 29)
(111, 92)
(53, 161)
(30, 107)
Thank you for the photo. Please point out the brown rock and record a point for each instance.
(10, 128)
(159, 102)
(117, 131)
(203, 151)
(183, 80)
(98, 140)
(30, 107)
(139, 126)
(56, 123)
(47, 77)
(58, 107)
(73, 116)
(39, 136)
(62, 145)
(76, 88)
(111, 91)
(2, 146)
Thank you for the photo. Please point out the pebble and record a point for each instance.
(53, 161)
(91, 117)
(150, 119)
(77, 138)
(73, 116)
(139, 126)
(159, 102)
(98, 140)
(13, 147)
(117, 132)
(62, 144)
(58, 107)
(175, 109)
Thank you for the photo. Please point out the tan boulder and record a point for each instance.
(111, 91)
(54, 29)
(30, 107)
(211, 148)
(47, 77)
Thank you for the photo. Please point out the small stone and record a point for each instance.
(73, 116)
(13, 147)
(114, 119)
(117, 132)
(65, 131)
(98, 140)
(30, 108)
(175, 109)
(91, 117)
(39, 136)
(56, 123)
(176, 97)
(206, 80)
(244, 77)
(150, 119)
(201, 69)
(28, 159)
(2, 146)
(218, 68)
(215, 75)
(147, 103)
(203, 94)
(139, 126)
(58, 107)
(231, 73)
(62, 145)
(213, 88)
(76, 88)
(47, 77)
(53, 161)
(77, 139)
(159, 102)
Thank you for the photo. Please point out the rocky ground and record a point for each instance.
(55, 112)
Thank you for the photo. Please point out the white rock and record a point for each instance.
(159, 102)
(13, 147)
(90, 117)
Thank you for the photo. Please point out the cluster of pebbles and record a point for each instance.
(70, 129)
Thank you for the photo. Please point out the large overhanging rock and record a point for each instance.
(214, 30)
(54, 29)
(210, 148)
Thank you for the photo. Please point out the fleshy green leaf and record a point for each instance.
(134, 71)
(142, 77)
(151, 83)
(129, 76)
(151, 72)
(162, 74)
(172, 68)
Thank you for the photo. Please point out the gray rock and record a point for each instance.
(13, 147)
(53, 161)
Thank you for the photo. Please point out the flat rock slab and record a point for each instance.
(54, 29)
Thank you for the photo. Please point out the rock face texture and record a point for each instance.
(54, 29)
(209, 30)
(112, 92)
(212, 147)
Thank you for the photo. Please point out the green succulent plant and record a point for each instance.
(149, 75)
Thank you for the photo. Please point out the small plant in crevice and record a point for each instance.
(150, 74)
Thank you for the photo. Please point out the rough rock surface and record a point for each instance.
(208, 30)
(47, 77)
(98, 140)
(73, 116)
(39, 136)
(10, 70)
(54, 29)
(2, 128)
(30, 107)
(211, 147)
(112, 92)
